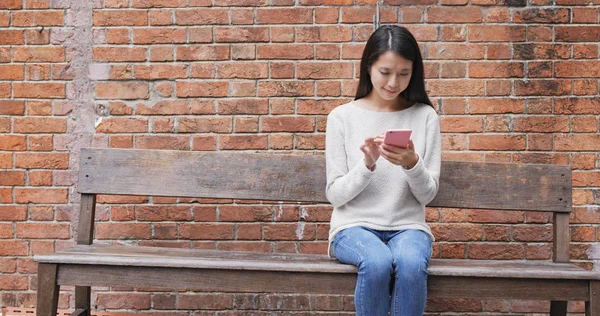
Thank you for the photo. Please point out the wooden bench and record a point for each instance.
(276, 177)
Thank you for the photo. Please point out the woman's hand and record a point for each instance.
(405, 157)
(371, 150)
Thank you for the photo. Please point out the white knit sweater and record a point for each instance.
(391, 197)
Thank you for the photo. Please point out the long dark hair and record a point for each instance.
(400, 41)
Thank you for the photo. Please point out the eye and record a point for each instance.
(384, 73)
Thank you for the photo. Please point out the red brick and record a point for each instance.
(312, 34)
(207, 231)
(38, 18)
(122, 90)
(243, 106)
(536, 15)
(10, 107)
(39, 90)
(457, 232)
(585, 15)
(13, 213)
(530, 51)
(461, 124)
(12, 37)
(241, 34)
(543, 87)
(281, 51)
(119, 54)
(532, 233)
(577, 142)
(326, 70)
(166, 107)
(43, 231)
(163, 213)
(577, 33)
(234, 3)
(123, 231)
(244, 142)
(295, 231)
(122, 125)
(496, 33)
(29, 125)
(158, 3)
(13, 282)
(284, 16)
(455, 87)
(288, 124)
(577, 105)
(160, 71)
(11, 4)
(37, 4)
(42, 160)
(326, 15)
(500, 251)
(542, 124)
(39, 54)
(12, 178)
(205, 301)
(205, 125)
(13, 143)
(577, 69)
(186, 89)
(201, 16)
(41, 196)
(12, 72)
(584, 178)
(243, 70)
(120, 17)
(285, 88)
(495, 69)
(159, 35)
(124, 300)
(454, 15)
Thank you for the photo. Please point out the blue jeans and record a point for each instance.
(379, 255)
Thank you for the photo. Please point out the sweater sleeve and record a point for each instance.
(343, 183)
(424, 177)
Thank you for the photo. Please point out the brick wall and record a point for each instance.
(513, 80)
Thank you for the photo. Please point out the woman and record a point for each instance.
(379, 191)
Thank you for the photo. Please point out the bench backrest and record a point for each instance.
(302, 178)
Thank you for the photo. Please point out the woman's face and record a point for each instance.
(390, 75)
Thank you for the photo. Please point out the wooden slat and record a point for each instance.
(502, 186)
(208, 280)
(508, 288)
(277, 177)
(592, 307)
(47, 294)
(200, 174)
(307, 282)
(232, 260)
(85, 231)
(83, 299)
(561, 237)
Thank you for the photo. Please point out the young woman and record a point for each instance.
(379, 191)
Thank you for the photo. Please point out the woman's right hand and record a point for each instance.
(371, 150)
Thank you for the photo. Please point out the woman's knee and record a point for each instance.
(377, 266)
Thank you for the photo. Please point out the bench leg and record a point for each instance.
(83, 298)
(47, 293)
(558, 308)
(592, 308)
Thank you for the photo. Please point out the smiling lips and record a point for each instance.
(390, 92)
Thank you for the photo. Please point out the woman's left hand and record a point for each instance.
(406, 157)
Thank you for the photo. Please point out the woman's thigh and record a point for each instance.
(411, 247)
(356, 245)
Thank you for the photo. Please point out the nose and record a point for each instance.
(393, 82)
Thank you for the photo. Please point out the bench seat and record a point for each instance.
(116, 255)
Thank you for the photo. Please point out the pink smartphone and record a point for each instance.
(397, 137)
